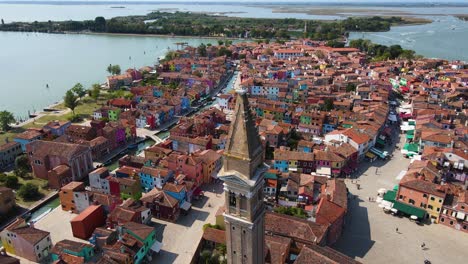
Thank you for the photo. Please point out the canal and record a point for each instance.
(54, 203)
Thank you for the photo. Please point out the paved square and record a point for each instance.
(370, 235)
(180, 239)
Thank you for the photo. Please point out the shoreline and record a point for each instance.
(150, 35)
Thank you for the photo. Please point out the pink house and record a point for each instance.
(189, 165)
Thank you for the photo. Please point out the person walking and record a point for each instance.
(396, 230)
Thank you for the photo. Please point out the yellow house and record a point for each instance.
(434, 207)
(220, 218)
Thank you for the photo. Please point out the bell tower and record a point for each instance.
(242, 173)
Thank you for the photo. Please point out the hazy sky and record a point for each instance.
(263, 1)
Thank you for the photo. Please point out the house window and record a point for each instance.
(451, 222)
(401, 196)
(464, 227)
(411, 201)
(442, 219)
(430, 207)
(432, 198)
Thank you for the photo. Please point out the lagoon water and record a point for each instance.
(29, 61)
(446, 37)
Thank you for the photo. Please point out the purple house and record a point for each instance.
(120, 136)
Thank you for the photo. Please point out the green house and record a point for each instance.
(114, 114)
(74, 248)
(145, 235)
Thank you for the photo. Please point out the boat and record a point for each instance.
(35, 220)
(26, 216)
(132, 146)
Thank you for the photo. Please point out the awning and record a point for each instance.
(381, 141)
(461, 215)
(409, 209)
(392, 118)
(185, 206)
(156, 247)
(370, 155)
(324, 171)
(390, 196)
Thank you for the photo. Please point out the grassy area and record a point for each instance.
(40, 183)
(85, 109)
(36, 181)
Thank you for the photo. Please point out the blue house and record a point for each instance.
(57, 128)
(281, 165)
(176, 191)
(185, 103)
(26, 137)
(157, 92)
(327, 128)
(154, 177)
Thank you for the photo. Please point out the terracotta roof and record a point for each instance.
(159, 196)
(87, 212)
(69, 245)
(8, 145)
(424, 187)
(300, 230)
(322, 255)
(278, 248)
(328, 212)
(142, 231)
(214, 235)
(66, 150)
(31, 234)
(28, 134)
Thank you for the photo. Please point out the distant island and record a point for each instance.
(209, 25)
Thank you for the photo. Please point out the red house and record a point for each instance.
(83, 225)
(114, 186)
(331, 214)
(162, 205)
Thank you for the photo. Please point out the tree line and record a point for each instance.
(195, 24)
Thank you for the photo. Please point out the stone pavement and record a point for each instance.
(180, 240)
(370, 235)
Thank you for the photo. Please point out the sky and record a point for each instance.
(255, 1)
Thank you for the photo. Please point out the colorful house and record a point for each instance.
(66, 248)
(25, 241)
(144, 237)
(162, 205)
(154, 177)
(129, 188)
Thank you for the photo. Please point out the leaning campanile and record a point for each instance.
(242, 173)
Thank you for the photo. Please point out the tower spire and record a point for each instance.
(243, 145)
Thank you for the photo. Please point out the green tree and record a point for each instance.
(202, 50)
(116, 69)
(220, 42)
(22, 163)
(11, 182)
(21, 173)
(109, 69)
(100, 24)
(79, 90)
(29, 192)
(350, 87)
(328, 104)
(70, 100)
(95, 91)
(6, 118)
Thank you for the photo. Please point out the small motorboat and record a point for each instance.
(132, 146)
